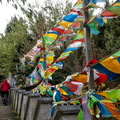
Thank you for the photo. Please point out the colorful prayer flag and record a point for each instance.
(74, 87)
(93, 28)
(109, 66)
(58, 29)
(65, 24)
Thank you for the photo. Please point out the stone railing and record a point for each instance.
(31, 106)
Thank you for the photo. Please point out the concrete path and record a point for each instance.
(7, 112)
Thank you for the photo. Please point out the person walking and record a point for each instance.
(5, 86)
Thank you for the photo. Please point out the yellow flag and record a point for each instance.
(53, 36)
(111, 64)
(65, 24)
(50, 58)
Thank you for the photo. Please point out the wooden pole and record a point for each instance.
(88, 46)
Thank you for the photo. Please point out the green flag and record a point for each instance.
(80, 115)
(47, 40)
(78, 36)
(93, 28)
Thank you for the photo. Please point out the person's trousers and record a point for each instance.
(4, 96)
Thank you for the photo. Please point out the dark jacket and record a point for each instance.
(5, 86)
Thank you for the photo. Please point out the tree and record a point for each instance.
(15, 3)
(22, 35)
(16, 42)
(108, 39)
(43, 18)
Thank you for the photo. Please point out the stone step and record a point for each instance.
(7, 112)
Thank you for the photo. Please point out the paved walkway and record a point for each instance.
(7, 112)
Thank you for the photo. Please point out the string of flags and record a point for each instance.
(106, 103)
(109, 66)
(93, 23)
(110, 12)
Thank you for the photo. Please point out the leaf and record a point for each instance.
(1, 1)
(15, 6)
(8, 1)
(23, 1)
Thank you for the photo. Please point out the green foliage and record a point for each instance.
(58, 77)
(2, 77)
(108, 40)
(106, 43)
(14, 44)
(21, 35)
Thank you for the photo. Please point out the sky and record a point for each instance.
(7, 11)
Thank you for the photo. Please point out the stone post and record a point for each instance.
(31, 106)
(43, 109)
(23, 104)
(17, 98)
(20, 93)
(13, 95)
(66, 112)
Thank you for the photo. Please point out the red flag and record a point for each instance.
(75, 87)
(58, 29)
